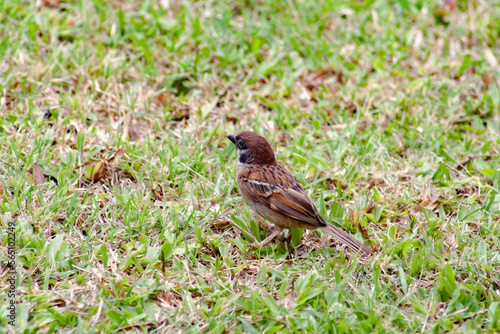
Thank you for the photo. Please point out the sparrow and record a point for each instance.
(275, 195)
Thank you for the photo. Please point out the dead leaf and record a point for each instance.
(313, 80)
(362, 230)
(433, 202)
(231, 119)
(450, 5)
(99, 171)
(283, 139)
(47, 3)
(428, 203)
(166, 298)
(115, 159)
(222, 225)
(452, 241)
(134, 133)
(38, 175)
(354, 220)
(59, 302)
(158, 193)
(180, 113)
(290, 301)
(163, 99)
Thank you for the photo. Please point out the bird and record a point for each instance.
(276, 195)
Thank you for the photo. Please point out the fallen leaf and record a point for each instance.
(58, 302)
(38, 174)
(231, 119)
(166, 298)
(115, 159)
(450, 5)
(163, 99)
(428, 203)
(158, 193)
(362, 230)
(48, 3)
(180, 113)
(313, 80)
(222, 225)
(290, 301)
(354, 220)
(99, 171)
(433, 201)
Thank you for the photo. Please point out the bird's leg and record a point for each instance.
(270, 227)
(261, 223)
(266, 226)
(268, 239)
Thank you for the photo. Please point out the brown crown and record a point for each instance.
(262, 152)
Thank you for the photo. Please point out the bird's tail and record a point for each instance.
(347, 239)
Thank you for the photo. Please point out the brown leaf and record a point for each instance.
(428, 203)
(99, 171)
(450, 5)
(354, 220)
(362, 230)
(283, 138)
(115, 159)
(134, 133)
(58, 302)
(222, 225)
(48, 3)
(166, 298)
(433, 201)
(158, 193)
(231, 119)
(163, 99)
(313, 80)
(38, 175)
(180, 112)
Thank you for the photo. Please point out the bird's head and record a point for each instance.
(252, 149)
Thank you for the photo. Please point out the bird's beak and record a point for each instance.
(232, 138)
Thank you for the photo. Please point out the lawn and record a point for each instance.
(118, 183)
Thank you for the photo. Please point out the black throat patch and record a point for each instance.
(245, 156)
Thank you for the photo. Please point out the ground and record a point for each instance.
(118, 182)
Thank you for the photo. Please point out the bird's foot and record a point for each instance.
(266, 226)
(276, 232)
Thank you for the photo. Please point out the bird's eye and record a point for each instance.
(241, 143)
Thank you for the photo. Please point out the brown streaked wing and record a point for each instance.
(296, 205)
(282, 198)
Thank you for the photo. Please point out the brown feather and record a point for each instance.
(347, 239)
(282, 198)
(273, 193)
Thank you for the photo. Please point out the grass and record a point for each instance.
(386, 111)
